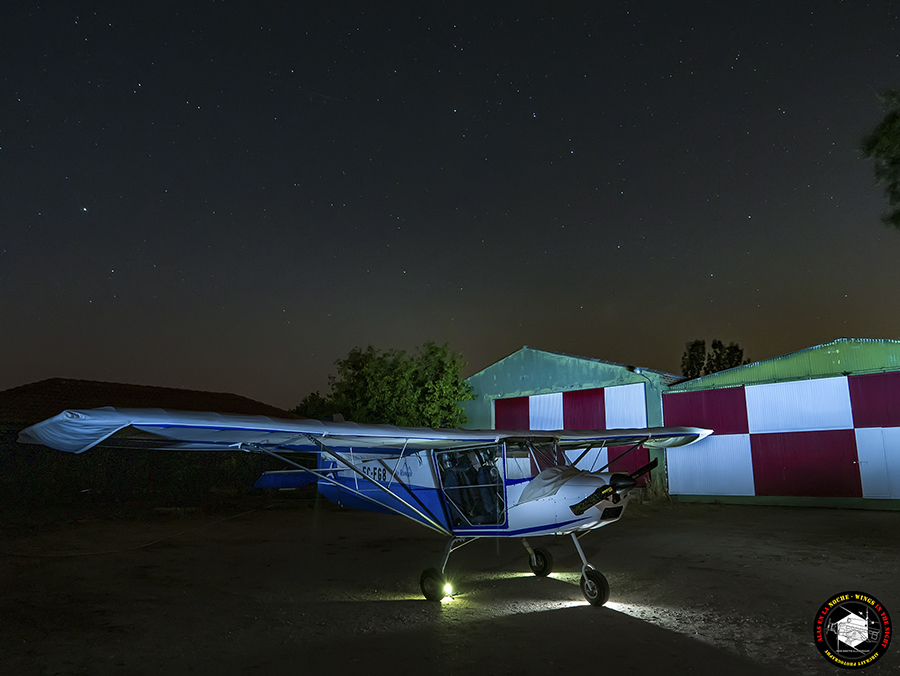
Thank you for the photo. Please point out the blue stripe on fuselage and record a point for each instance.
(374, 499)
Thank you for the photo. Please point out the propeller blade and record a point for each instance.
(646, 469)
(591, 500)
(619, 483)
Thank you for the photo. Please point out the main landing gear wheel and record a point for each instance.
(595, 587)
(542, 563)
(432, 584)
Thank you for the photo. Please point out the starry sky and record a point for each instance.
(230, 196)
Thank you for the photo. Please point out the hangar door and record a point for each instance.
(879, 461)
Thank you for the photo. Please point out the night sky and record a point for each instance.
(229, 196)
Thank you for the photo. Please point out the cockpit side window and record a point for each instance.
(526, 458)
(473, 484)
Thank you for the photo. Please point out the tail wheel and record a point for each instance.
(542, 563)
(432, 584)
(595, 587)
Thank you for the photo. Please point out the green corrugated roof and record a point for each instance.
(839, 357)
(531, 371)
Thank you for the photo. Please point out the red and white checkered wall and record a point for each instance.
(620, 407)
(831, 437)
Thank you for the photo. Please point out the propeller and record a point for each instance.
(619, 484)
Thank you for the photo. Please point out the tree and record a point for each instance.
(883, 146)
(696, 362)
(694, 359)
(724, 357)
(391, 387)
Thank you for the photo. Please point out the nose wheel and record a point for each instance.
(594, 584)
(540, 560)
(595, 587)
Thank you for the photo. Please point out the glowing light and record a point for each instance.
(448, 589)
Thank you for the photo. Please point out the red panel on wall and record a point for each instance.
(634, 460)
(723, 411)
(584, 410)
(810, 464)
(511, 414)
(875, 399)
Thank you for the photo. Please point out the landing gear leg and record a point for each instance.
(594, 584)
(540, 560)
(433, 582)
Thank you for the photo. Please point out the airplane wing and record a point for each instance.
(649, 437)
(76, 431)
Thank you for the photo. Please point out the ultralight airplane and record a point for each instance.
(464, 484)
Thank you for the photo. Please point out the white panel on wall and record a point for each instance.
(879, 461)
(798, 406)
(717, 465)
(545, 411)
(626, 406)
(593, 460)
(892, 458)
(872, 467)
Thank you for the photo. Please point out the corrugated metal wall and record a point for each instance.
(815, 464)
(619, 407)
(545, 411)
(829, 437)
(605, 408)
(529, 372)
(820, 422)
(717, 465)
(878, 449)
(822, 404)
(584, 409)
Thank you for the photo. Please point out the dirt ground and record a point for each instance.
(306, 587)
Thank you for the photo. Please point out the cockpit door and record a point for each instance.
(473, 484)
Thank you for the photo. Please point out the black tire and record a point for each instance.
(542, 564)
(432, 584)
(595, 587)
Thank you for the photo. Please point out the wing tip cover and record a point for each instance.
(74, 431)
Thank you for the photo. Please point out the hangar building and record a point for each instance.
(540, 390)
(820, 426)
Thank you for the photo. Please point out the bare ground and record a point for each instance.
(305, 587)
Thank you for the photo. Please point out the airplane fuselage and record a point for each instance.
(480, 500)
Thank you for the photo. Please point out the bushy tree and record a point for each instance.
(694, 359)
(391, 387)
(724, 357)
(883, 146)
(696, 362)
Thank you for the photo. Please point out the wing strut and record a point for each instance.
(428, 519)
(586, 451)
(622, 455)
(429, 522)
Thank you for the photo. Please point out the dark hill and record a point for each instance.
(28, 404)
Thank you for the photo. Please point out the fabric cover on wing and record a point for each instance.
(74, 432)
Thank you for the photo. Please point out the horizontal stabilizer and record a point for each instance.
(290, 478)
